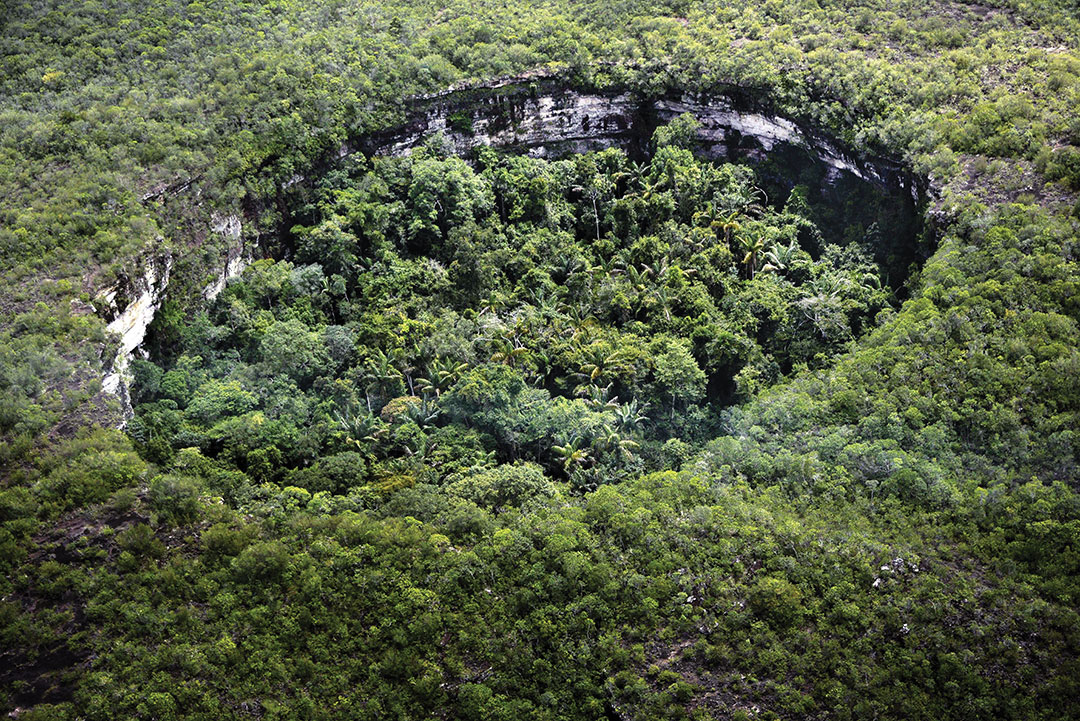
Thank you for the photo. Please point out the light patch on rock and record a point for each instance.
(238, 258)
(580, 122)
(132, 322)
(229, 226)
(233, 268)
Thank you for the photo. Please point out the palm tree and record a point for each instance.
(565, 267)
(423, 414)
(823, 307)
(598, 187)
(581, 323)
(719, 221)
(779, 258)
(546, 303)
(325, 295)
(361, 427)
(636, 173)
(751, 245)
(508, 351)
(420, 448)
(630, 417)
(492, 303)
(610, 440)
(658, 270)
(637, 278)
(538, 368)
(756, 203)
(382, 372)
(444, 373)
(598, 364)
(829, 285)
(730, 226)
(662, 297)
(407, 367)
(572, 453)
(597, 397)
(607, 266)
(708, 217)
(694, 242)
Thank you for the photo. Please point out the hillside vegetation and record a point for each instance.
(499, 437)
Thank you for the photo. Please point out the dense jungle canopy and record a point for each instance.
(296, 427)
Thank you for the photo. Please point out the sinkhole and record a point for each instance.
(522, 272)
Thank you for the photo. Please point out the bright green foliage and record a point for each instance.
(495, 437)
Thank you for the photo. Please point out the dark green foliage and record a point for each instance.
(495, 437)
(175, 498)
(651, 594)
(489, 309)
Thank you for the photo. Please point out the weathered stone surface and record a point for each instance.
(540, 115)
(147, 293)
(238, 255)
(130, 306)
(545, 118)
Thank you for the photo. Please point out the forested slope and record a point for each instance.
(506, 437)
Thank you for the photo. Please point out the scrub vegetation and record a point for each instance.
(610, 435)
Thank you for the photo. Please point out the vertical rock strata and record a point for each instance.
(148, 292)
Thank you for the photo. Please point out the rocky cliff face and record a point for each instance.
(238, 255)
(542, 117)
(130, 305)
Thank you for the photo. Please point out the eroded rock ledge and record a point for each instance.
(543, 117)
(129, 306)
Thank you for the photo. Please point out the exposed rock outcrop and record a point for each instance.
(132, 304)
(238, 255)
(542, 117)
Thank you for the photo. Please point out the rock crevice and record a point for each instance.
(130, 305)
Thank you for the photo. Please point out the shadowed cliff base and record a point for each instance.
(853, 195)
